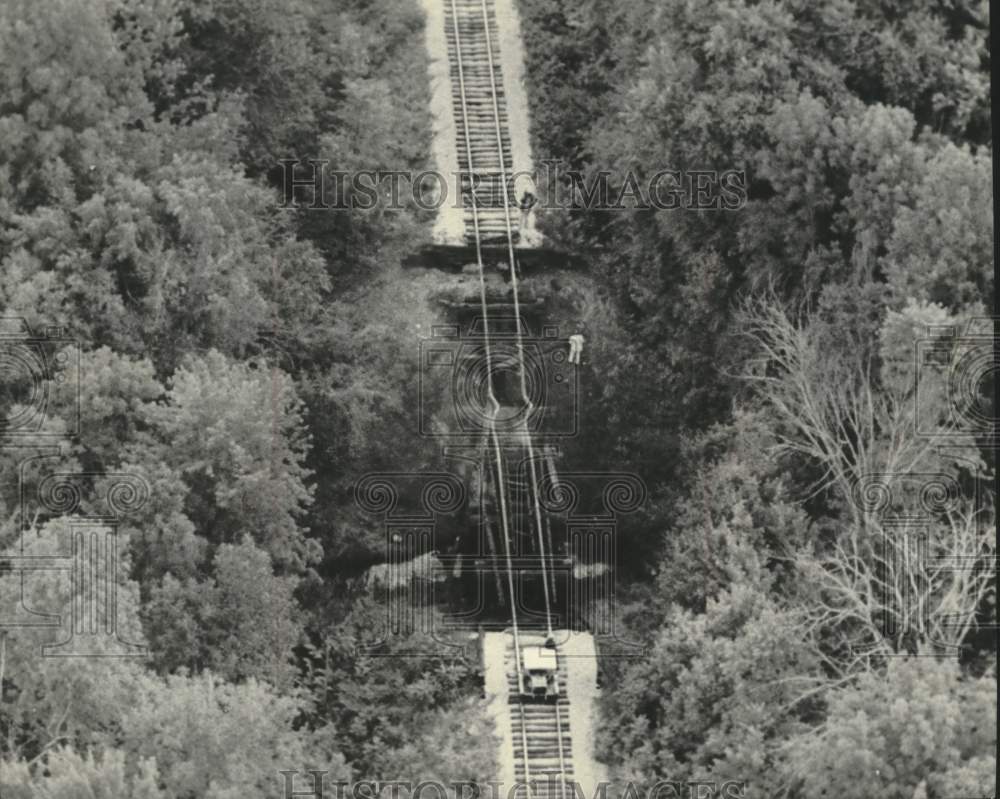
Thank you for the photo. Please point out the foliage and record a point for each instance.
(717, 696)
(234, 431)
(821, 108)
(921, 730)
(242, 623)
(52, 700)
(135, 230)
(218, 740)
(70, 775)
(384, 699)
(862, 131)
(736, 521)
(139, 150)
(249, 362)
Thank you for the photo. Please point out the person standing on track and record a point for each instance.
(576, 346)
(524, 193)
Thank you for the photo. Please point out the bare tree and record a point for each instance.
(827, 404)
(902, 574)
(916, 589)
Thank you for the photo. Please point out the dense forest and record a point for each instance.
(757, 368)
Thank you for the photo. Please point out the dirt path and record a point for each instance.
(449, 226)
(496, 693)
(512, 57)
(581, 658)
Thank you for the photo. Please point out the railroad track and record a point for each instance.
(480, 108)
(540, 727)
(542, 742)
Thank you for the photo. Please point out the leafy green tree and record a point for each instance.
(163, 537)
(927, 57)
(127, 225)
(921, 730)
(241, 623)
(453, 746)
(717, 697)
(49, 700)
(217, 740)
(941, 247)
(736, 519)
(114, 391)
(381, 707)
(69, 775)
(234, 432)
(364, 413)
